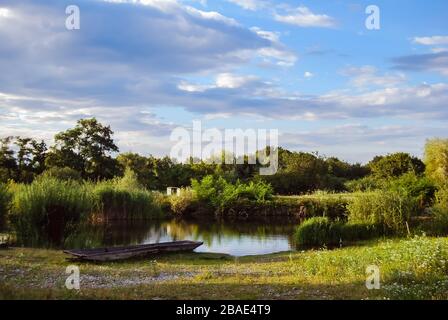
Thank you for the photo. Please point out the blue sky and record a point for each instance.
(308, 68)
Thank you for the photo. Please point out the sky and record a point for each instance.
(311, 69)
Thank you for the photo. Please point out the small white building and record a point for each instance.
(173, 191)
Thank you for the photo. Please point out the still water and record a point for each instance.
(235, 238)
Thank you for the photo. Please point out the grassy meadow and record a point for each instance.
(414, 268)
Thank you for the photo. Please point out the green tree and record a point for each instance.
(8, 164)
(86, 148)
(395, 165)
(436, 160)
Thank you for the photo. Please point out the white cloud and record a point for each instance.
(431, 41)
(222, 81)
(304, 17)
(5, 13)
(249, 4)
(366, 76)
(439, 50)
(231, 81)
(308, 74)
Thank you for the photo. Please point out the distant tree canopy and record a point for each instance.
(24, 164)
(436, 160)
(395, 165)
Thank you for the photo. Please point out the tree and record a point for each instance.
(86, 148)
(436, 160)
(395, 165)
(8, 165)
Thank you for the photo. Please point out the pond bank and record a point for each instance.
(410, 269)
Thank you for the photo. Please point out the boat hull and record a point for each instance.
(139, 251)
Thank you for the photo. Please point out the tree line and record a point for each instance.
(88, 151)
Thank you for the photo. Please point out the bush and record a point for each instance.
(62, 174)
(319, 231)
(47, 211)
(179, 204)
(323, 204)
(368, 183)
(124, 198)
(421, 188)
(5, 201)
(220, 194)
(390, 209)
(440, 211)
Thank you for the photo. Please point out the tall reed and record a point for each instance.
(46, 211)
(124, 198)
(388, 208)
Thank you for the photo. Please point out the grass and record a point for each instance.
(124, 198)
(409, 269)
(46, 210)
(390, 209)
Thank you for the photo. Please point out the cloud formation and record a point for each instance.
(304, 17)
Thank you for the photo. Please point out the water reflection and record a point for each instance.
(235, 238)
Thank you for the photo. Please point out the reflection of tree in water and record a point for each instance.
(211, 232)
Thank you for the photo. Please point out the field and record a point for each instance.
(414, 268)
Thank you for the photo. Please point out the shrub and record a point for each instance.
(440, 211)
(47, 210)
(390, 209)
(65, 173)
(368, 183)
(436, 160)
(220, 194)
(324, 204)
(320, 231)
(421, 188)
(5, 201)
(179, 204)
(124, 198)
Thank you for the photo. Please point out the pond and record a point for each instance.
(237, 238)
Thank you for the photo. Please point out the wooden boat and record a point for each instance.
(121, 253)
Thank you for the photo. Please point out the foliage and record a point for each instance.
(65, 173)
(124, 198)
(217, 192)
(395, 164)
(321, 204)
(319, 231)
(436, 160)
(5, 202)
(365, 184)
(440, 211)
(48, 210)
(180, 204)
(387, 208)
(419, 187)
(85, 148)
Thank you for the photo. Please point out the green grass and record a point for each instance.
(409, 269)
